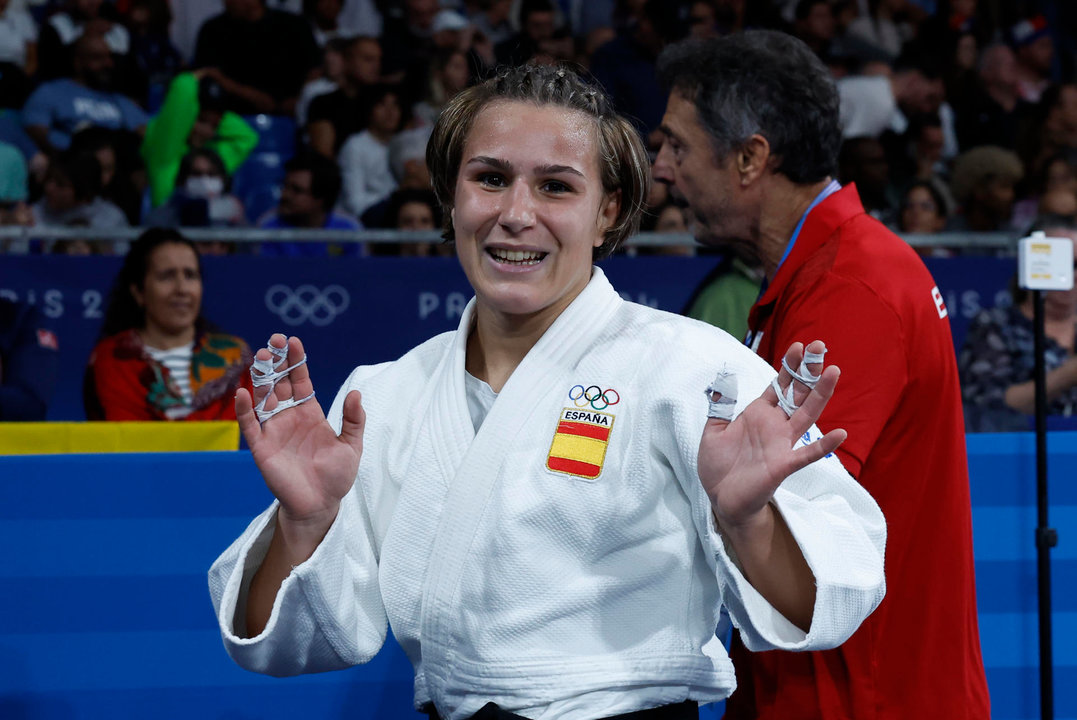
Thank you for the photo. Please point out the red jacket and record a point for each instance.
(124, 383)
(858, 287)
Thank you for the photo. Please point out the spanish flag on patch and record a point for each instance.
(579, 443)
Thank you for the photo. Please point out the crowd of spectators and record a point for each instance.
(958, 115)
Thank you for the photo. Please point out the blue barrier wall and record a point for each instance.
(351, 311)
(104, 611)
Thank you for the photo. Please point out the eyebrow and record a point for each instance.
(668, 132)
(506, 167)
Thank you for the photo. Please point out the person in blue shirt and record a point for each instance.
(29, 361)
(60, 108)
(310, 190)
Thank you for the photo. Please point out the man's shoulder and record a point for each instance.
(337, 221)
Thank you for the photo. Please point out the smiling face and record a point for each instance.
(171, 292)
(529, 208)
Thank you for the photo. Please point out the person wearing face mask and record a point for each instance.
(201, 197)
(193, 116)
(158, 358)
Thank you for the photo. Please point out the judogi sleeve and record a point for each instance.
(328, 613)
(837, 525)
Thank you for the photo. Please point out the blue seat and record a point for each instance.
(257, 183)
(276, 133)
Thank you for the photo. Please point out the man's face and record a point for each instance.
(688, 164)
(363, 60)
(297, 205)
(420, 13)
(539, 26)
(93, 63)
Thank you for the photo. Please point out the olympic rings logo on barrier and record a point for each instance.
(307, 303)
(592, 395)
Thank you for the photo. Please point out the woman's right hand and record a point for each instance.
(307, 466)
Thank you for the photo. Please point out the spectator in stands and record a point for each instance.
(324, 19)
(201, 197)
(417, 210)
(122, 176)
(874, 104)
(71, 195)
(261, 57)
(1051, 128)
(540, 37)
(492, 20)
(407, 46)
(158, 358)
(18, 54)
(991, 110)
(14, 185)
(364, 158)
(1057, 174)
(983, 184)
(1034, 51)
(625, 66)
(29, 362)
(307, 198)
(887, 26)
(917, 154)
(59, 108)
(78, 18)
(337, 115)
(328, 79)
(998, 358)
(862, 160)
(14, 190)
(154, 56)
(193, 116)
(923, 209)
(450, 31)
(814, 23)
(407, 163)
(449, 75)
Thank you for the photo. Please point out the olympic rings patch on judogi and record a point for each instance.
(583, 432)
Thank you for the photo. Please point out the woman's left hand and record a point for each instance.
(742, 463)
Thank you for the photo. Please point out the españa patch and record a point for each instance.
(582, 435)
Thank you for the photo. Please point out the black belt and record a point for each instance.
(687, 710)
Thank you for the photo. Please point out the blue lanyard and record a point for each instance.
(826, 192)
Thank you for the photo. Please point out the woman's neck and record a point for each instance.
(497, 344)
(160, 339)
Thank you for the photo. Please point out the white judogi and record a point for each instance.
(550, 593)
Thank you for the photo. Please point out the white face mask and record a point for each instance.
(204, 186)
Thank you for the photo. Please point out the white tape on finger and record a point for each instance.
(268, 372)
(725, 388)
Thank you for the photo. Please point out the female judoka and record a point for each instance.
(537, 503)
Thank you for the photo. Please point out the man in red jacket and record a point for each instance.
(751, 140)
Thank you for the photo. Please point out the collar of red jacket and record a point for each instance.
(820, 224)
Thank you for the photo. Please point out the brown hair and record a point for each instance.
(622, 158)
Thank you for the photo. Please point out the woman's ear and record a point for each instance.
(607, 216)
(137, 294)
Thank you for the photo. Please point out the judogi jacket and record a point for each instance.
(562, 561)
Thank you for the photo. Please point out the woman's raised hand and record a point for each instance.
(306, 465)
(742, 463)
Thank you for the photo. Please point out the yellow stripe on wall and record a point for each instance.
(573, 447)
(47, 438)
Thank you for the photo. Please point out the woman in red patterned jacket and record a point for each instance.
(158, 358)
